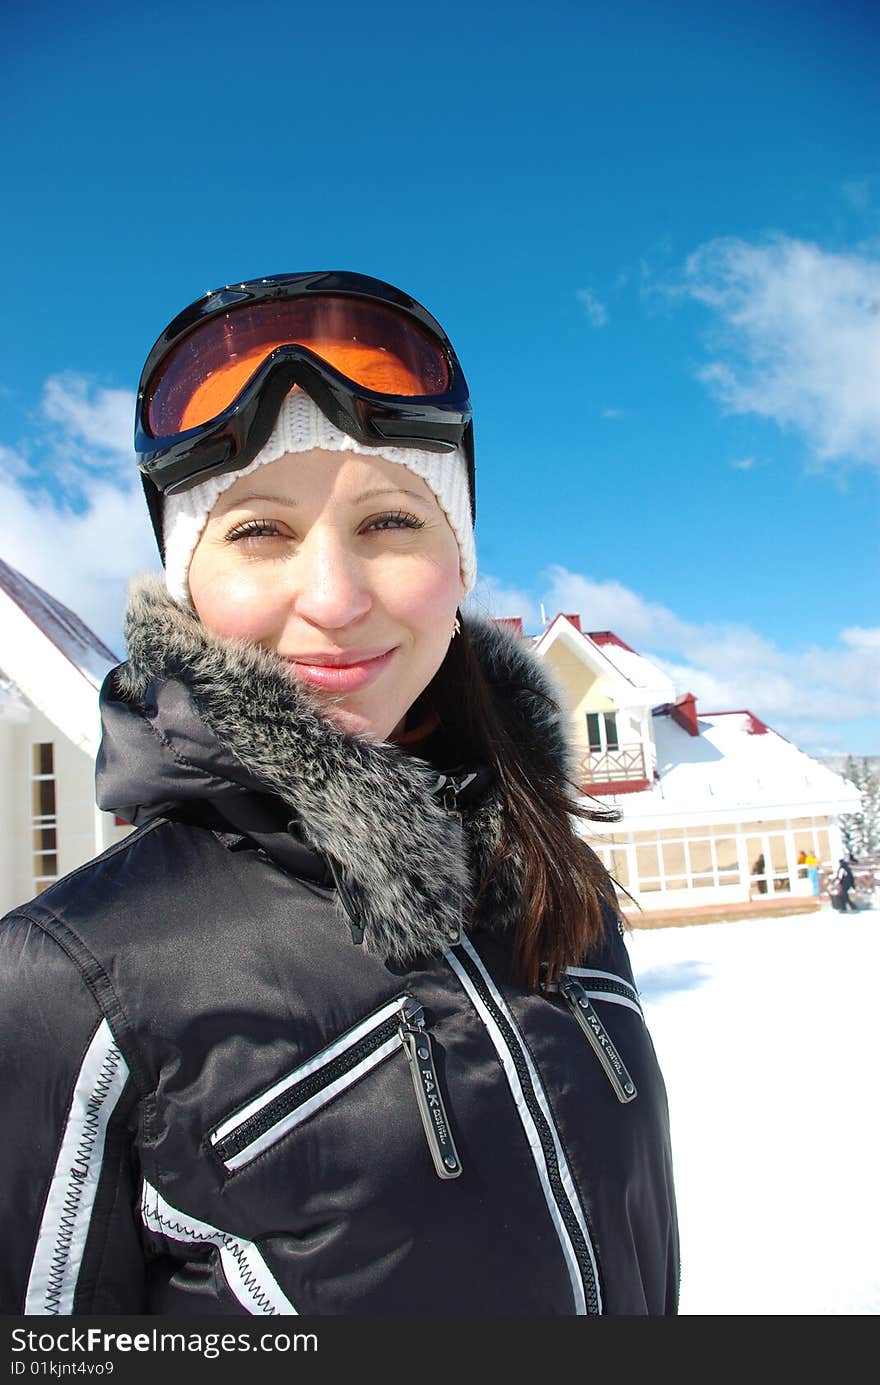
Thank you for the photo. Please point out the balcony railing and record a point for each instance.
(613, 766)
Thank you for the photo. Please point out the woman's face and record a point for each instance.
(346, 566)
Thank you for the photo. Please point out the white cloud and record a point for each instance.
(12, 463)
(91, 416)
(612, 413)
(83, 558)
(596, 311)
(860, 638)
(611, 606)
(797, 339)
(83, 533)
(743, 463)
(489, 598)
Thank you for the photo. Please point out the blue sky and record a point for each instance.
(653, 233)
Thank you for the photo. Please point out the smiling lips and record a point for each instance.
(341, 672)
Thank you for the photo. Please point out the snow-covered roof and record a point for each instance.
(62, 626)
(736, 767)
(642, 672)
(51, 657)
(636, 681)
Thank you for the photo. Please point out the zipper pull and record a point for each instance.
(590, 1023)
(355, 926)
(451, 788)
(417, 1046)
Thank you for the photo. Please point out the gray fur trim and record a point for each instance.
(407, 868)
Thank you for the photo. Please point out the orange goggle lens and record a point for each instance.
(372, 344)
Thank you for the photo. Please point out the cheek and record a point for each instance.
(427, 600)
(236, 605)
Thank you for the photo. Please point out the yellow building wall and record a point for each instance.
(584, 692)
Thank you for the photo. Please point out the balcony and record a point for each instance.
(614, 771)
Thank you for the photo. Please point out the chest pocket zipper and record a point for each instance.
(612, 1064)
(238, 1140)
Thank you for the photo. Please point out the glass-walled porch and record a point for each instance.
(719, 862)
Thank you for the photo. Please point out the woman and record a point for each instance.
(347, 1025)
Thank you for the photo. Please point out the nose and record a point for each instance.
(331, 582)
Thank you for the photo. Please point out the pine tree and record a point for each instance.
(861, 831)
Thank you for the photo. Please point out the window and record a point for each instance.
(674, 863)
(648, 867)
(44, 823)
(702, 864)
(602, 731)
(728, 861)
(777, 853)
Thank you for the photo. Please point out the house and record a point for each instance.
(51, 670)
(715, 806)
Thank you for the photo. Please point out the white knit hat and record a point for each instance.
(300, 427)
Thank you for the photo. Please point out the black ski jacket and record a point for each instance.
(252, 1063)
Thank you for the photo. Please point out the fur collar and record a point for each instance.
(407, 868)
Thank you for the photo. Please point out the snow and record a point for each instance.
(728, 771)
(766, 1034)
(656, 685)
(727, 760)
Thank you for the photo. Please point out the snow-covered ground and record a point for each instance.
(767, 1034)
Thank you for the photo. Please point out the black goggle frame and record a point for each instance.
(437, 423)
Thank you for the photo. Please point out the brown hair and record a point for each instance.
(562, 878)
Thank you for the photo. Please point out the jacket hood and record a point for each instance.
(195, 725)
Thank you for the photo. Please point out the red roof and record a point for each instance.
(608, 637)
(512, 623)
(756, 726)
(684, 711)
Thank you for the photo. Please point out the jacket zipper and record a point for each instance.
(611, 1061)
(461, 958)
(611, 987)
(237, 1142)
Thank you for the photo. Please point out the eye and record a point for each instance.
(399, 519)
(253, 529)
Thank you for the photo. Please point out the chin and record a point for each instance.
(357, 723)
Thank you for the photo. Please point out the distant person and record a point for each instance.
(845, 882)
(812, 864)
(347, 1026)
(758, 869)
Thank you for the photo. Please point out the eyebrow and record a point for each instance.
(293, 504)
(388, 490)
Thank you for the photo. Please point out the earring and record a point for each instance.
(456, 629)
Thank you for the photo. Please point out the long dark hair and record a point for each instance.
(562, 878)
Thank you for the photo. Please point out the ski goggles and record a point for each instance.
(376, 363)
